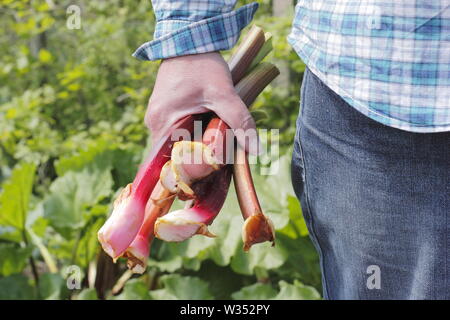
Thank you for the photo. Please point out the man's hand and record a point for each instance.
(195, 84)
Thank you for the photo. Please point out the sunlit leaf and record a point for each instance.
(51, 286)
(87, 294)
(15, 196)
(296, 291)
(257, 291)
(45, 56)
(134, 289)
(13, 258)
(71, 196)
(177, 287)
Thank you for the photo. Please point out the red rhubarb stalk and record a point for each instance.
(246, 53)
(129, 208)
(193, 160)
(257, 227)
(158, 205)
(183, 224)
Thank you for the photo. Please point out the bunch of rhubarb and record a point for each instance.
(197, 172)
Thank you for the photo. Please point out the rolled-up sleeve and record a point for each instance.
(194, 26)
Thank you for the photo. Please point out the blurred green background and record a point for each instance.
(72, 103)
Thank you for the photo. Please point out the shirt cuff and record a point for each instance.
(176, 37)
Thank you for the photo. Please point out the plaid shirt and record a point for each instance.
(388, 59)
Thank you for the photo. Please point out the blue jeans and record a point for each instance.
(375, 199)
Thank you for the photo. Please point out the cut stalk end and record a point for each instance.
(256, 229)
(137, 255)
(180, 225)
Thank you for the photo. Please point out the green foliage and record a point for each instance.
(134, 290)
(15, 197)
(16, 287)
(73, 197)
(72, 104)
(257, 291)
(295, 291)
(87, 294)
(14, 258)
(185, 288)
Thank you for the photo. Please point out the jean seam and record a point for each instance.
(307, 200)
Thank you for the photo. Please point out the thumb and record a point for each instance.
(236, 115)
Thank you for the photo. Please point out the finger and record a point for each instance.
(236, 115)
(161, 124)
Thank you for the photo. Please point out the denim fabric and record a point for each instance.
(373, 197)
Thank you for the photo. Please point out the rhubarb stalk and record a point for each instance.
(182, 224)
(246, 53)
(257, 227)
(128, 214)
(122, 226)
(158, 205)
(182, 171)
(193, 160)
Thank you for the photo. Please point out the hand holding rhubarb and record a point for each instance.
(182, 174)
(205, 84)
(194, 84)
(129, 208)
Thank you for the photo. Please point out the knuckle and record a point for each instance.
(153, 110)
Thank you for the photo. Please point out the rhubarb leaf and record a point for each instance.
(167, 260)
(177, 287)
(135, 289)
(51, 286)
(16, 287)
(87, 294)
(224, 246)
(262, 255)
(13, 259)
(273, 190)
(297, 225)
(15, 196)
(123, 162)
(84, 157)
(303, 262)
(257, 291)
(9, 233)
(224, 286)
(67, 206)
(87, 247)
(296, 291)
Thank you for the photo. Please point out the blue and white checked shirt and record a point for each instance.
(388, 59)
